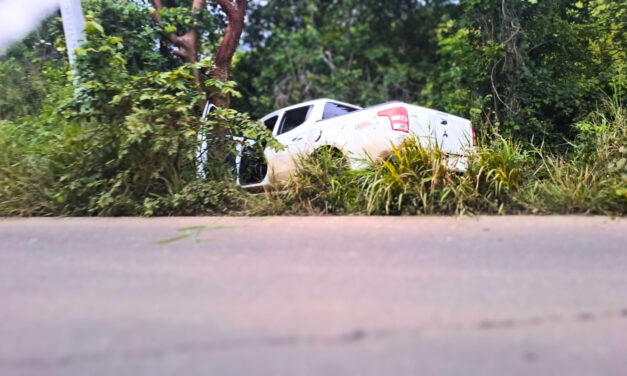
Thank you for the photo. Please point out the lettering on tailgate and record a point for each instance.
(364, 125)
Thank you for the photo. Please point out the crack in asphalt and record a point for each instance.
(354, 336)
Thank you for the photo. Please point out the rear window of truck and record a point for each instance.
(332, 110)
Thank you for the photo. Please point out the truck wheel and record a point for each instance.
(253, 166)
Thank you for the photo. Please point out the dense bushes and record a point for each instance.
(121, 144)
(529, 68)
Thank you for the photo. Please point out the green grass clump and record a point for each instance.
(592, 179)
(414, 179)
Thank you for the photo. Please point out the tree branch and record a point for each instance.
(227, 7)
(199, 4)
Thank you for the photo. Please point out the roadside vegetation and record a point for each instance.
(542, 82)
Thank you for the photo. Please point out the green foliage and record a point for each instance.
(28, 168)
(358, 51)
(122, 144)
(211, 197)
(32, 156)
(322, 185)
(21, 89)
(594, 178)
(536, 66)
(415, 179)
(132, 21)
(23, 82)
(498, 170)
(529, 69)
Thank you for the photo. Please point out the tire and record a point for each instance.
(253, 166)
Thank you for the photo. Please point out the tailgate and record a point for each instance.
(452, 133)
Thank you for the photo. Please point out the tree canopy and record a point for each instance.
(529, 68)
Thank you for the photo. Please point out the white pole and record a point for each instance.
(73, 25)
(201, 152)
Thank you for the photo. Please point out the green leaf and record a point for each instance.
(92, 27)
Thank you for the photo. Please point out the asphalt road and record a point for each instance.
(314, 296)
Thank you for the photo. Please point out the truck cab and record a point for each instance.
(295, 127)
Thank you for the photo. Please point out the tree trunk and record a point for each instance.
(235, 12)
(189, 44)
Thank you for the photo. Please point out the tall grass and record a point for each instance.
(323, 184)
(27, 169)
(592, 179)
(413, 180)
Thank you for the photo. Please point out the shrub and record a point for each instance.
(123, 144)
(323, 184)
(415, 179)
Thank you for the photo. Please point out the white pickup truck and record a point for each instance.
(355, 132)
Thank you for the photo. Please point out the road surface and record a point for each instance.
(314, 296)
